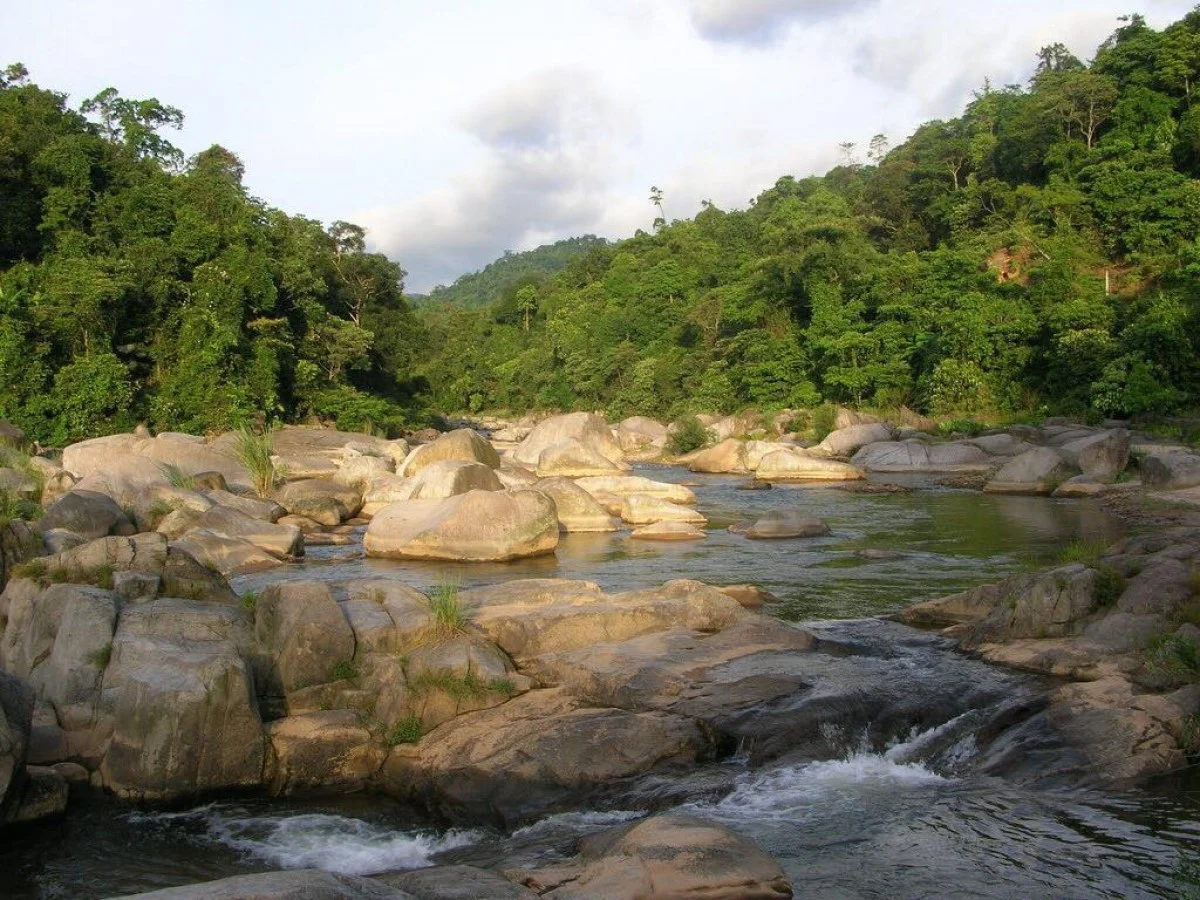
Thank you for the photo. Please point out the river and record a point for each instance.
(913, 818)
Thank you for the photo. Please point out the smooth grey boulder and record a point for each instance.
(1038, 471)
(478, 526)
(587, 428)
(87, 513)
(845, 441)
(304, 634)
(16, 719)
(321, 499)
(281, 541)
(450, 477)
(456, 883)
(576, 509)
(1101, 456)
(464, 445)
(921, 456)
(1171, 471)
(299, 884)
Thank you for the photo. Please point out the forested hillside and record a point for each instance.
(1037, 253)
(135, 286)
(511, 272)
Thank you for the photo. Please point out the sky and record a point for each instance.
(455, 131)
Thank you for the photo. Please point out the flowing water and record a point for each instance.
(916, 817)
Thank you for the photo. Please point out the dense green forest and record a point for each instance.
(511, 272)
(135, 286)
(1038, 253)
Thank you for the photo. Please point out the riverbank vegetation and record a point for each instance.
(1037, 254)
(136, 286)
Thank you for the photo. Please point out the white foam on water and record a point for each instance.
(318, 840)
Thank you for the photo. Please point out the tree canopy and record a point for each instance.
(139, 286)
(1040, 252)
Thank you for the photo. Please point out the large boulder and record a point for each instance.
(587, 428)
(1038, 471)
(668, 855)
(623, 485)
(576, 459)
(181, 707)
(221, 553)
(540, 753)
(88, 514)
(115, 455)
(298, 884)
(791, 465)
(16, 719)
(326, 750)
(575, 507)
(478, 526)
(450, 477)
(845, 441)
(638, 509)
(303, 634)
(464, 445)
(641, 435)
(279, 540)
(321, 499)
(1101, 456)
(456, 883)
(1171, 471)
(919, 456)
(727, 456)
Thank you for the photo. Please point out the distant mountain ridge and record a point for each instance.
(478, 289)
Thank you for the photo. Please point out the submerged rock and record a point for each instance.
(299, 884)
(782, 525)
(668, 531)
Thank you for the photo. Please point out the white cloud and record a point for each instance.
(762, 21)
(548, 165)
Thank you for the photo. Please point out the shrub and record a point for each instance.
(1175, 657)
(405, 731)
(824, 418)
(449, 617)
(34, 570)
(250, 601)
(687, 435)
(254, 452)
(13, 507)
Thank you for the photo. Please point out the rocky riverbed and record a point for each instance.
(165, 642)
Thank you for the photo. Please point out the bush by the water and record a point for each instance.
(687, 434)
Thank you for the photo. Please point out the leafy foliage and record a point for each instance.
(137, 286)
(1038, 254)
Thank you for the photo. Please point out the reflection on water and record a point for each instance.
(885, 550)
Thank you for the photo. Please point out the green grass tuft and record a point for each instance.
(405, 731)
(254, 452)
(823, 419)
(460, 687)
(1082, 551)
(250, 601)
(34, 570)
(344, 671)
(177, 477)
(449, 616)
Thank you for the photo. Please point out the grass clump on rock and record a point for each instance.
(1081, 551)
(406, 731)
(824, 418)
(101, 657)
(344, 671)
(253, 451)
(445, 604)
(177, 477)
